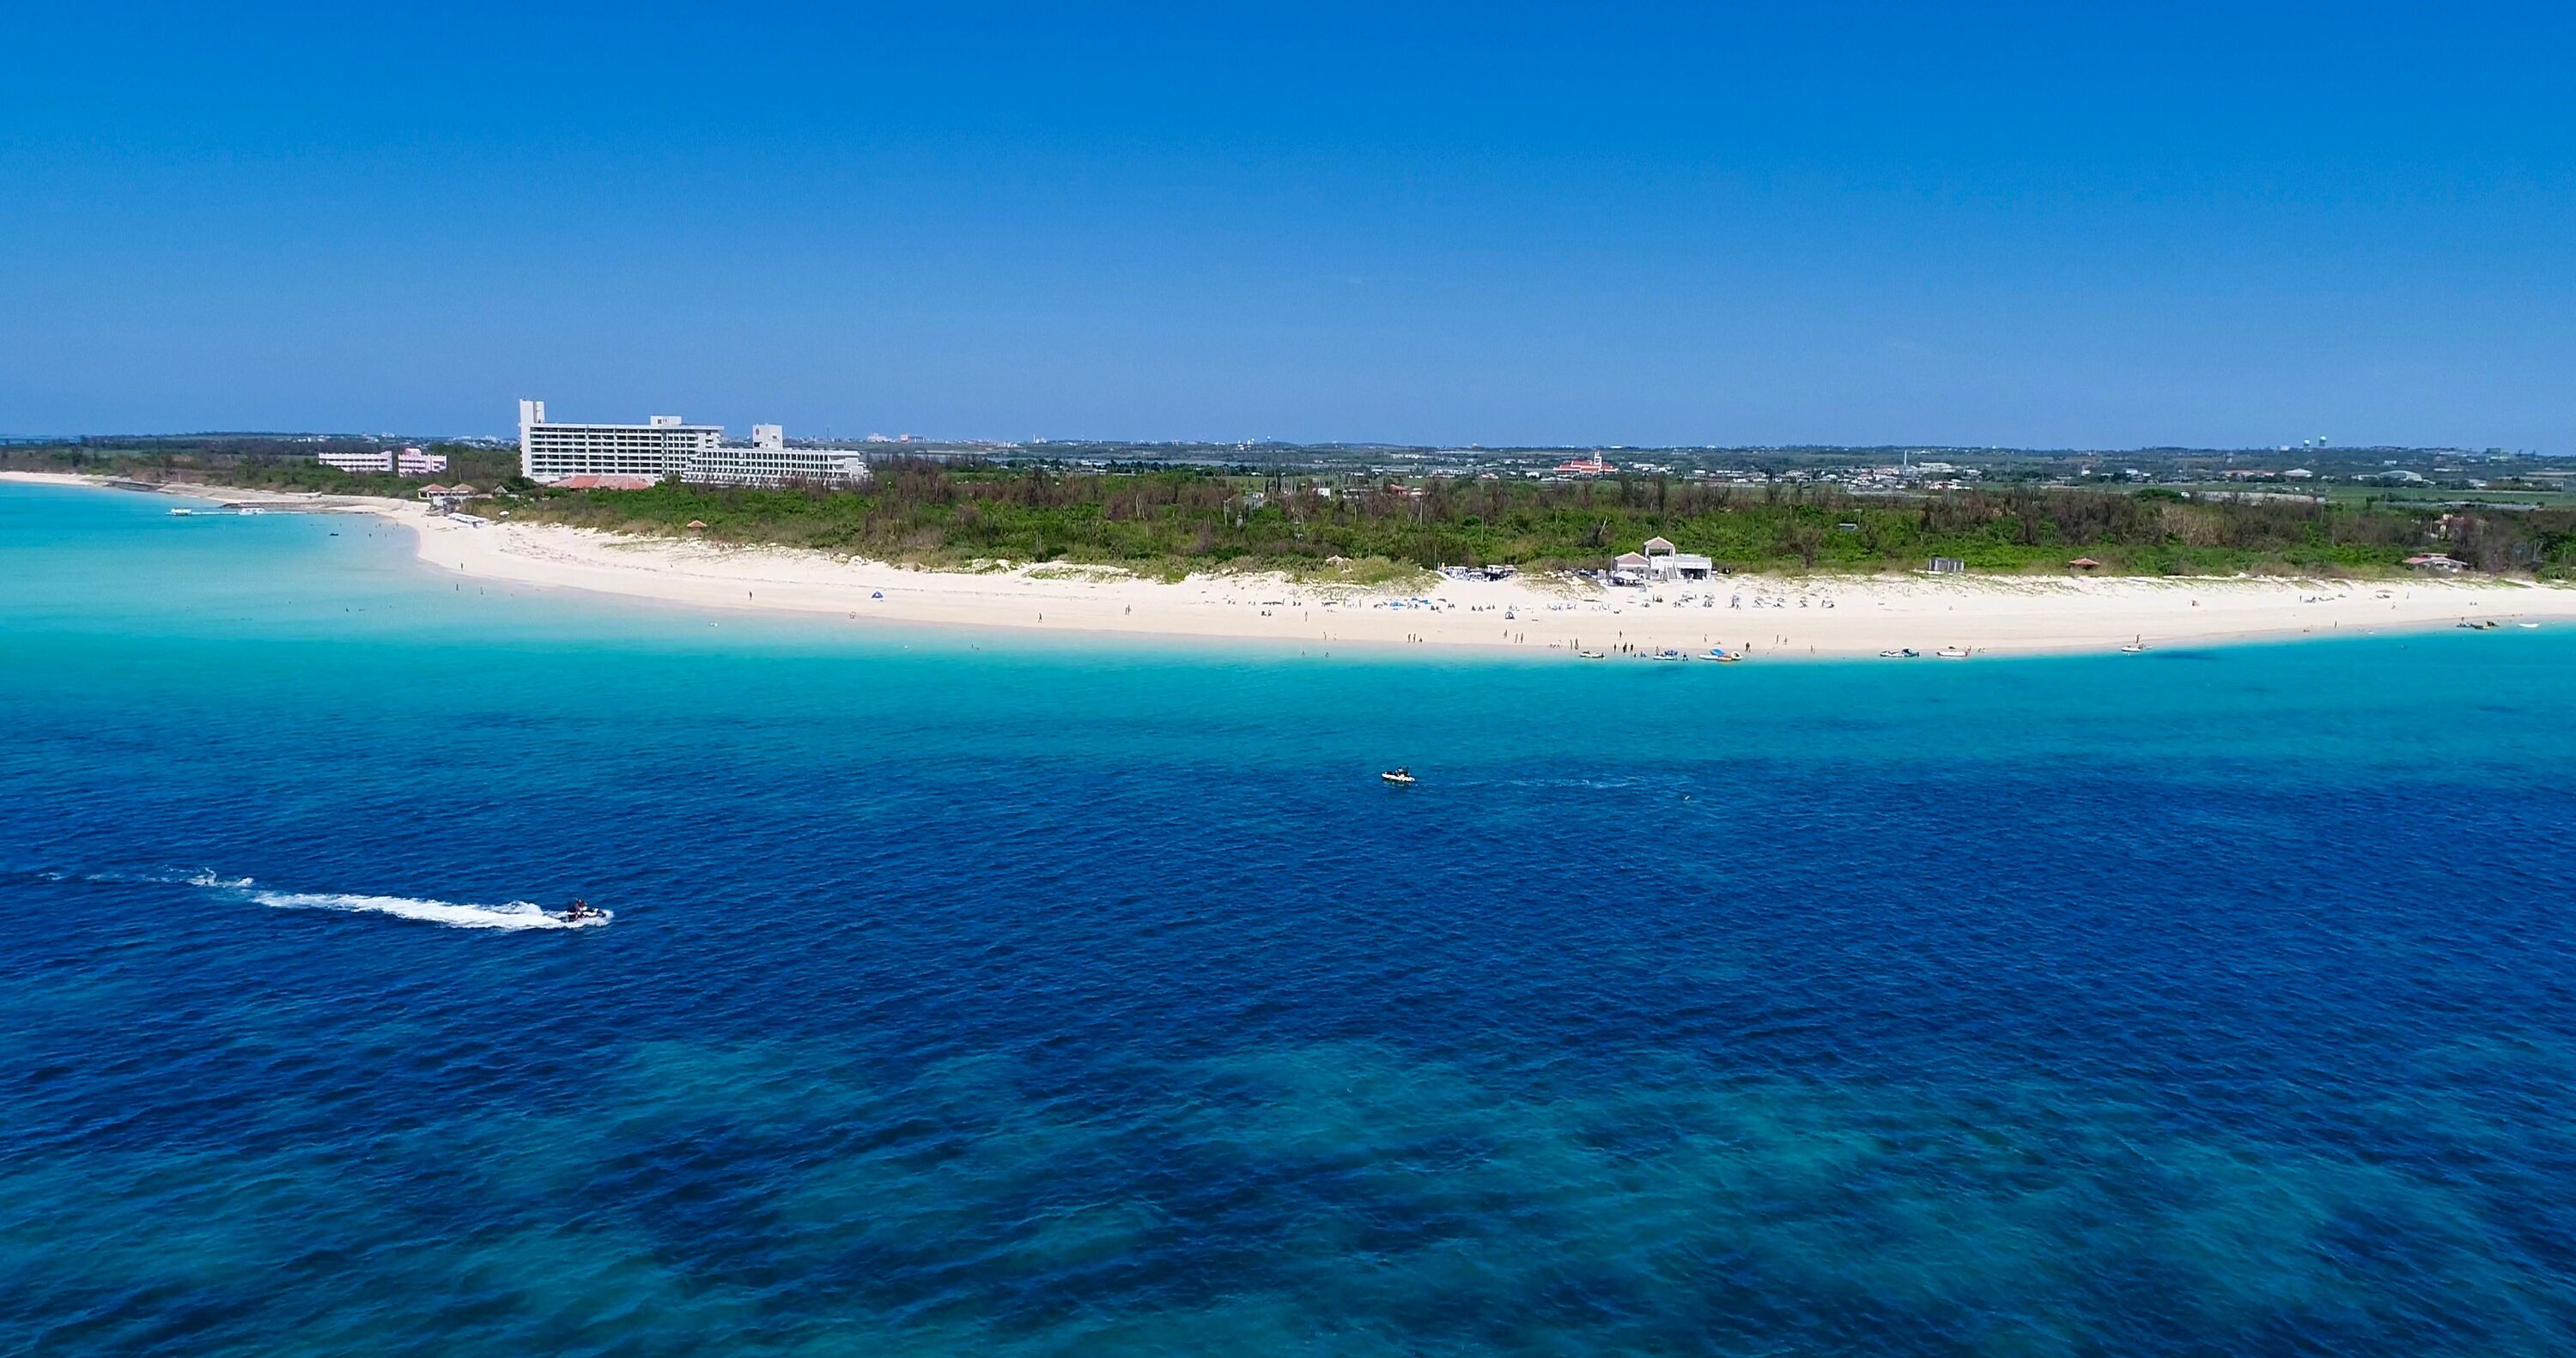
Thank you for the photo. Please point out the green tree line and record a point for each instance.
(1171, 521)
(1174, 520)
(259, 463)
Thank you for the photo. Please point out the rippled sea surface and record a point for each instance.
(977, 995)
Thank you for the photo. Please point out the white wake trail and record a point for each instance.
(454, 914)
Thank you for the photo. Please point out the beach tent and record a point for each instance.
(2085, 563)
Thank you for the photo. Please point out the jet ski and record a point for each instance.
(581, 912)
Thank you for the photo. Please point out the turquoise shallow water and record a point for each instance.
(973, 995)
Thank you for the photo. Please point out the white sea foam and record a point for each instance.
(166, 877)
(454, 914)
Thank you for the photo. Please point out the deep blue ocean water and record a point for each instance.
(989, 995)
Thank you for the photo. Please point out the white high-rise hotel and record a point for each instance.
(666, 449)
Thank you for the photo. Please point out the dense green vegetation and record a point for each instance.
(1170, 521)
(262, 464)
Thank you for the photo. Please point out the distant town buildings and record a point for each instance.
(667, 449)
(398, 462)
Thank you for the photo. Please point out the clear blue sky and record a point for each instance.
(2045, 225)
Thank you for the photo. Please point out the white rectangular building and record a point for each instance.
(667, 450)
(402, 462)
(770, 462)
(371, 460)
(660, 449)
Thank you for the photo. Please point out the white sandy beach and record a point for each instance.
(1765, 616)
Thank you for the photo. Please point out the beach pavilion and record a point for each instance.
(1660, 561)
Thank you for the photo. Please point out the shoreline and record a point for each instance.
(1766, 617)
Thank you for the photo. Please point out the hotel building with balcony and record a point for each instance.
(659, 449)
(665, 449)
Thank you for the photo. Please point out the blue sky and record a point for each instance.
(2035, 225)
